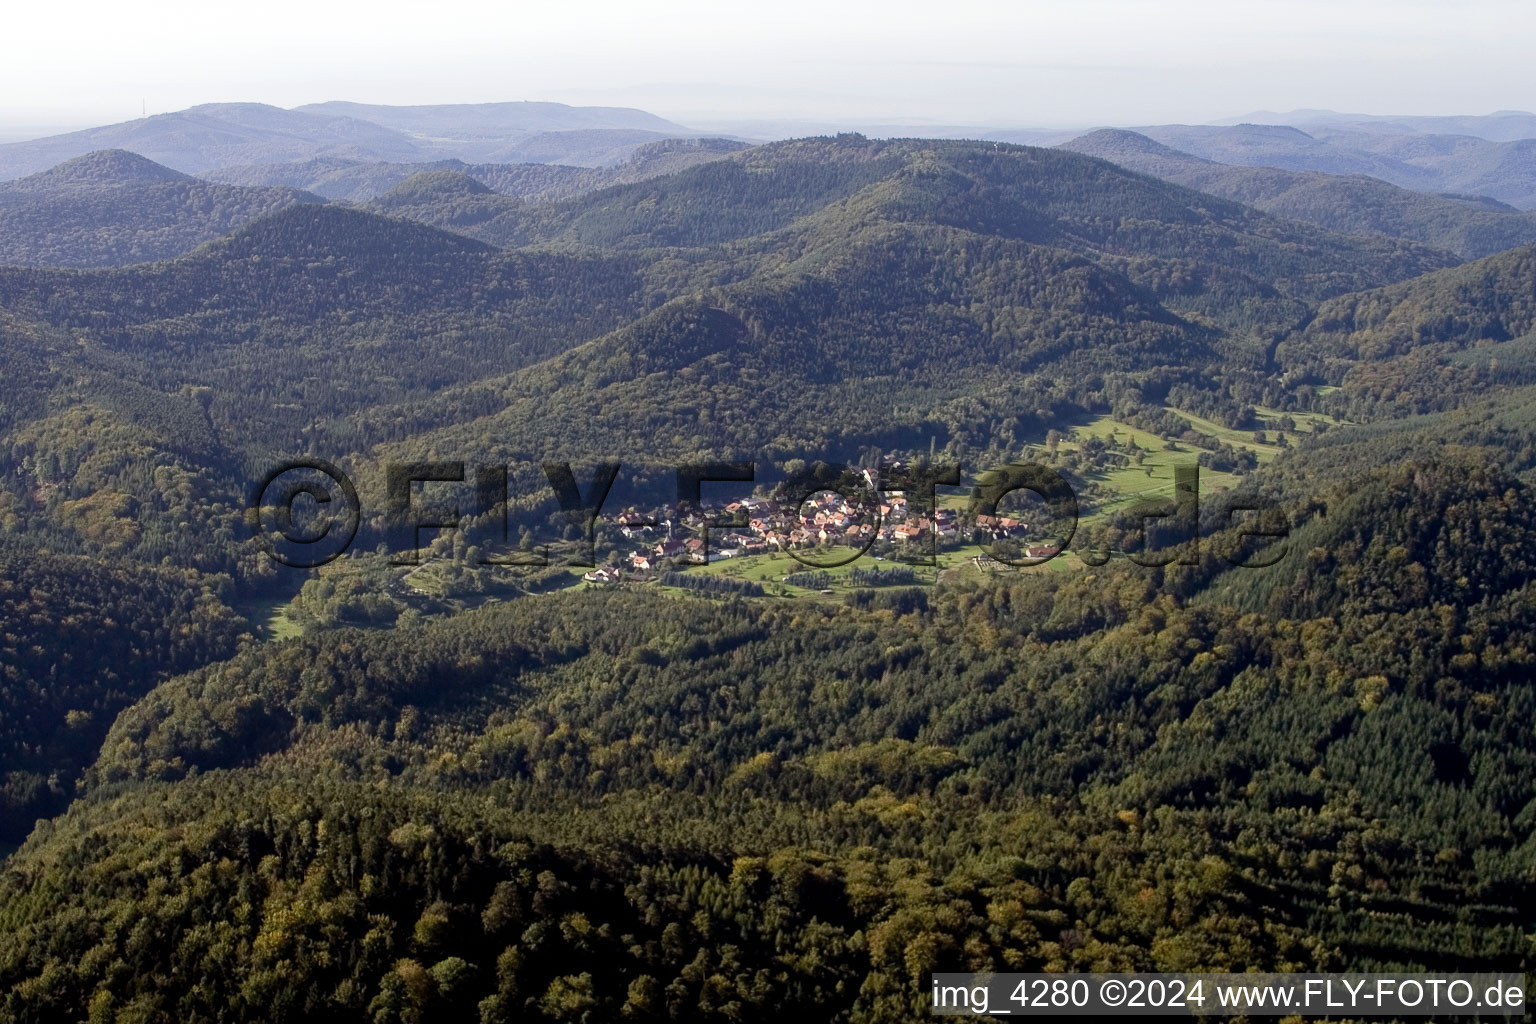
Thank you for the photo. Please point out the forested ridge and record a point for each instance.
(702, 797)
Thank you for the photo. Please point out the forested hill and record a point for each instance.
(446, 199)
(757, 360)
(1176, 288)
(114, 208)
(1492, 300)
(102, 169)
(82, 640)
(1041, 196)
(315, 269)
(1469, 226)
(253, 349)
(1430, 343)
(120, 226)
(344, 274)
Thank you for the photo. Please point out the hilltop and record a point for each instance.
(105, 168)
(1047, 197)
(114, 208)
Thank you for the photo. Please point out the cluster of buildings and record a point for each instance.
(673, 536)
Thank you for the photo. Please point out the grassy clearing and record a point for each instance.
(954, 565)
(270, 618)
(426, 579)
(1108, 428)
(1236, 438)
(279, 626)
(962, 567)
(1130, 484)
(770, 570)
(1306, 422)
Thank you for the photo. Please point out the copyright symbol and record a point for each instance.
(1112, 992)
(305, 513)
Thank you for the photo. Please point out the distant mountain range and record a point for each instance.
(1470, 226)
(325, 146)
(360, 180)
(1423, 162)
(230, 134)
(1503, 126)
(492, 123)
(160, 186)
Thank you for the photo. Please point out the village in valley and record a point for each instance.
(854, 537)
(1113, 466)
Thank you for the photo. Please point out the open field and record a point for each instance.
(770, 570)
(1132, 484)
(1153, 479)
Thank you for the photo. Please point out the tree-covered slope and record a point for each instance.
(920, 290)
(319, 311)
(1054, 772)
(270, 343)
(82, 640)
(824, 353)
(446, 199)
(1427, 342)
(1043, 196)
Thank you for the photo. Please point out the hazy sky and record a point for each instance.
(1067, 62)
